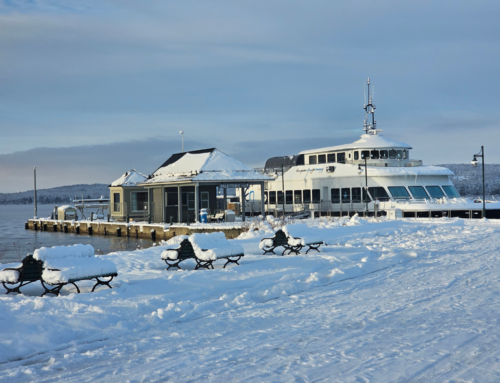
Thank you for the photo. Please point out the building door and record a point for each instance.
(157, 205)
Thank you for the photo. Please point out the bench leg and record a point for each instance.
(312, 247)
(269, 251)
(99, 282)
(292, 249)
(15, 289)
(54, 290)
(229, 260)
(203, 264)
(174, 264)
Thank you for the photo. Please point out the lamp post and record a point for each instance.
(474, 163)
(181, 132)
(365, 197)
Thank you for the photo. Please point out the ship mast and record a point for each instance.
(370, 127)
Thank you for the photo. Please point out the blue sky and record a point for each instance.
(89, 90)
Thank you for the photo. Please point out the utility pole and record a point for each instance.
(34, 179)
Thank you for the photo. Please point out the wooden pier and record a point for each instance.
(155, 232)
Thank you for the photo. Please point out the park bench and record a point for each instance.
(205, 249)
(280, 239)
(55, 272)
(301, 236)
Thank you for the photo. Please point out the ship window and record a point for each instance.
(289, 197)
(280, 197)
(405, 154)
(331, 158)
(335, 194)
(322, 159)
(392, 154)
(272, 197)
(297, 197)
(400, 154)
(356, 195)
(346, 195)
(379, 193)
(312, 160)
(341, 158)
(399, 192)
(316, 196)
(307, 196)
(450, 191)
(349, 155)
(365, 154)
(435, 191)
(375, 155)
(356, 155)
(300, 159)
(418, 192)
(384, 154)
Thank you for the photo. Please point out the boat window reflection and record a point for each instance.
(316, 196)
(307, 196)
(289, 197)
(335, 195)
(356, 155)
(451, 191)
(312, 160)
(272, 197)
(379, 193)
(435, 191)
(392, 154)
(418, 192)
(331, 158)
(280, 197)
(341, 158)
(346, 195)
(384, 154)
(375, 155)
(399, 192)
(356, 195)
(297, 197)
(400, 154)
(322, 159)
(365, 154)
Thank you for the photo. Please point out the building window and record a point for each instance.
(335, 195)
(280, 198)
(272, 197)
(331, 158)
(322, 159)
(204, 200)
(297, 197)
(341, 158)
(346, 195)
(312, 160)
(139, 201)
(116, 202)
(356, 195)
(289, 197)
(356, 155)
(172, 199)
(307, 196)
(190, 200)
(316, 196)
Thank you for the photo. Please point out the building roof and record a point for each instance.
(367, 141)
(204, 165)
(131, 178)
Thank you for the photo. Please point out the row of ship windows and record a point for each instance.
(368, 154)
(348, 195)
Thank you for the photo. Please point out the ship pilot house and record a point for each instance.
(188, 182)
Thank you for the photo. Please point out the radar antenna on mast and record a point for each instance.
(370, 127)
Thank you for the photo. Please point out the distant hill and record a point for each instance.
(61, 194)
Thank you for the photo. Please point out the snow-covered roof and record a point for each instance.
(204, 165)
(131, 178)
(409, 171)
(367, 141)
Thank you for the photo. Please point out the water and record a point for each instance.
(16, 242)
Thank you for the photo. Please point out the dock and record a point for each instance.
(153, 231)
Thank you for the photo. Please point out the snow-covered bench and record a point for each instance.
(58, 266)
(301, 235)
(204, 248)
(280, 239)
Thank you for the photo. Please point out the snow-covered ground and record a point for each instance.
(390, 301)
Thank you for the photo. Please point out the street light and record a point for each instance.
(181, 132)
(474, 163)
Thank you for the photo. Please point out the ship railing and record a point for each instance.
(386, 163)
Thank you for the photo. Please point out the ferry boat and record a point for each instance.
(373, 175)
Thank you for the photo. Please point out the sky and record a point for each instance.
(92, 89)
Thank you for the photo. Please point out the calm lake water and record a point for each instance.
(16, 242)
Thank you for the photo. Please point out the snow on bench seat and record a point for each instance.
(63, 264)
(10, 276)
(173, 244)
(301, 234)
(210, 246)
